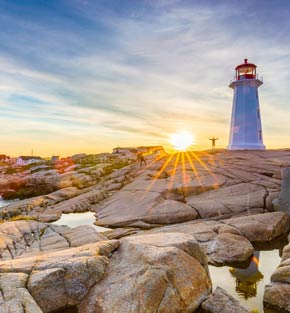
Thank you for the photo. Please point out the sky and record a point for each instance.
(87, 76)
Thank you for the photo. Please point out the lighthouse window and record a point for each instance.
(258, 113)
(260, 135)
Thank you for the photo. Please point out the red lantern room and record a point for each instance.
(246, 71)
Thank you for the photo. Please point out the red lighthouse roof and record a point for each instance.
(245, 64)
(246, 71)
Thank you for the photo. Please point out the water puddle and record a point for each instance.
(5, 202)
(247, 285)
(77, 219)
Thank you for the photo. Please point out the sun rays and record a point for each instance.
(183, 167)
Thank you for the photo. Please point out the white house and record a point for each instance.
(25, 160)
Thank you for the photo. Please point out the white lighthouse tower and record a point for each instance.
(246, 127)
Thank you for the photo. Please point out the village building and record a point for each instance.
(26, 160)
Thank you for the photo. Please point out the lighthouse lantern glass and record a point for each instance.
(246, 72)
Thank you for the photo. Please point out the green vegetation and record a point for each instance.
(11, 170)
(109, 169)
(21, 218)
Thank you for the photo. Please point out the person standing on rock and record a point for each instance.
(141, 159)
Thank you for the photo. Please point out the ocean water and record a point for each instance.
(247, 285)
(5, 202)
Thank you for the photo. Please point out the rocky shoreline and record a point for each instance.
(171, 219)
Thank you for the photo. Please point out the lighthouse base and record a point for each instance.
(246, 147)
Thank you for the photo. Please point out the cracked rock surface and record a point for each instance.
(51, 281)
(163, 272)
(22, 238)
(201, 185)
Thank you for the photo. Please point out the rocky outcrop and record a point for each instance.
(229, 201)
(276, 294)
(220, 301)
(152, 273)
(229, 241)
(52, 281)
(23, 238)
(216, 186)
(284, 197)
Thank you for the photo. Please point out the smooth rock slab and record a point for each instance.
(229, 200)
(127, 207)
(169, 212)
(222, 302)
(152, 273)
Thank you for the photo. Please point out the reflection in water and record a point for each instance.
(77, 219)
(247, 285)
(5, 202)
(247, 279)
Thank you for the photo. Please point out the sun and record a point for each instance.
(181, 141)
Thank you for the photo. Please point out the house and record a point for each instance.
(131, 153)
(155, 150)
(4, 158)
(25, 160)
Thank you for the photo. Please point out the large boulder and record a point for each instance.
(227, 248)
(152, 273)
(222, 302)
(276, 294)
(261, 227)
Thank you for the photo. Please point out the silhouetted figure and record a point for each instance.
(141, 159)
(213, 140)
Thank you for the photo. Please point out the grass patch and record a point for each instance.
(21, 218)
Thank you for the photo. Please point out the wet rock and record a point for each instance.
(152, 273)
(80, 203)
(220, 301)
(227, 248)
(276, 296)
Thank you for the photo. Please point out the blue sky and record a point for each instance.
(85, 76)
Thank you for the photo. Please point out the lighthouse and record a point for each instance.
(246, 126)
